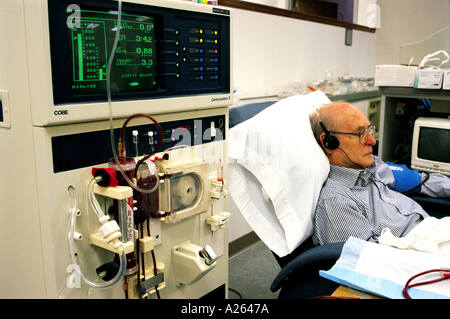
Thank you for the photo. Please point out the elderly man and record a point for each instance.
(358, 198)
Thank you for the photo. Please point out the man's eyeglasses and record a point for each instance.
(363, 134)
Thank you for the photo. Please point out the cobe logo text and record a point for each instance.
(61, 112)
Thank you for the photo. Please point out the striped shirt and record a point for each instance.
(360, 203)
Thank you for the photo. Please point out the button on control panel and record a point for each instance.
(197, 54)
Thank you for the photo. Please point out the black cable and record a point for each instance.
(414, 189)
(236, 292)
(412, 110)
(361, 167)
(139, 266)
(125, 287)
(408, 192)
(155, 271)
(364, 168)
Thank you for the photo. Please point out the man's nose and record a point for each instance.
(371, 140)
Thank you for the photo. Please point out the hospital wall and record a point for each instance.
(270, 52)
(408, 21)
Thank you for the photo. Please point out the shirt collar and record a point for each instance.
(351, 177)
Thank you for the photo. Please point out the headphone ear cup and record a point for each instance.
(330, 142)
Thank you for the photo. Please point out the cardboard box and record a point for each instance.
(428, 79)
(446, 80)
(395, 75)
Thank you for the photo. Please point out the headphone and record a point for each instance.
(330, 142)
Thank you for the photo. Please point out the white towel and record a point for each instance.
(431, 235)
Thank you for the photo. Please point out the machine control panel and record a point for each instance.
(86, 149)
(161, 52)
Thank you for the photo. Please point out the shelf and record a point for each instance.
(414, 93)
(352, 97)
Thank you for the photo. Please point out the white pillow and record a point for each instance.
(277, 170)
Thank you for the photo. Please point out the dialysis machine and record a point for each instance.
(113, 149)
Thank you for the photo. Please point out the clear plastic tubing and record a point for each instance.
(123, 259)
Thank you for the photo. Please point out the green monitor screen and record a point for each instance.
(161, 52)
(134, 67)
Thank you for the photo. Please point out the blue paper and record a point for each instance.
(343, 272)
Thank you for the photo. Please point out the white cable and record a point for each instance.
(429, 57)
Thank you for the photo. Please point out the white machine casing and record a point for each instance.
(34, 200)
(43, 110)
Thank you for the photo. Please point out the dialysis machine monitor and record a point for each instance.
(431, 145)
(170, 56)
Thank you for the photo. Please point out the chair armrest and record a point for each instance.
(435, 206)
(316, 254)
(432, 200)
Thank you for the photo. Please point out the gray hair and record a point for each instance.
(315, 126)
(326, 118)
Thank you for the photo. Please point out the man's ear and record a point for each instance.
(327, 151)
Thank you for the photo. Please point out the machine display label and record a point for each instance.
(61, 112)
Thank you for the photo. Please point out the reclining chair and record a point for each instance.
(299, 275)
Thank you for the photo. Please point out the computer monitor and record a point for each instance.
(431, 145)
